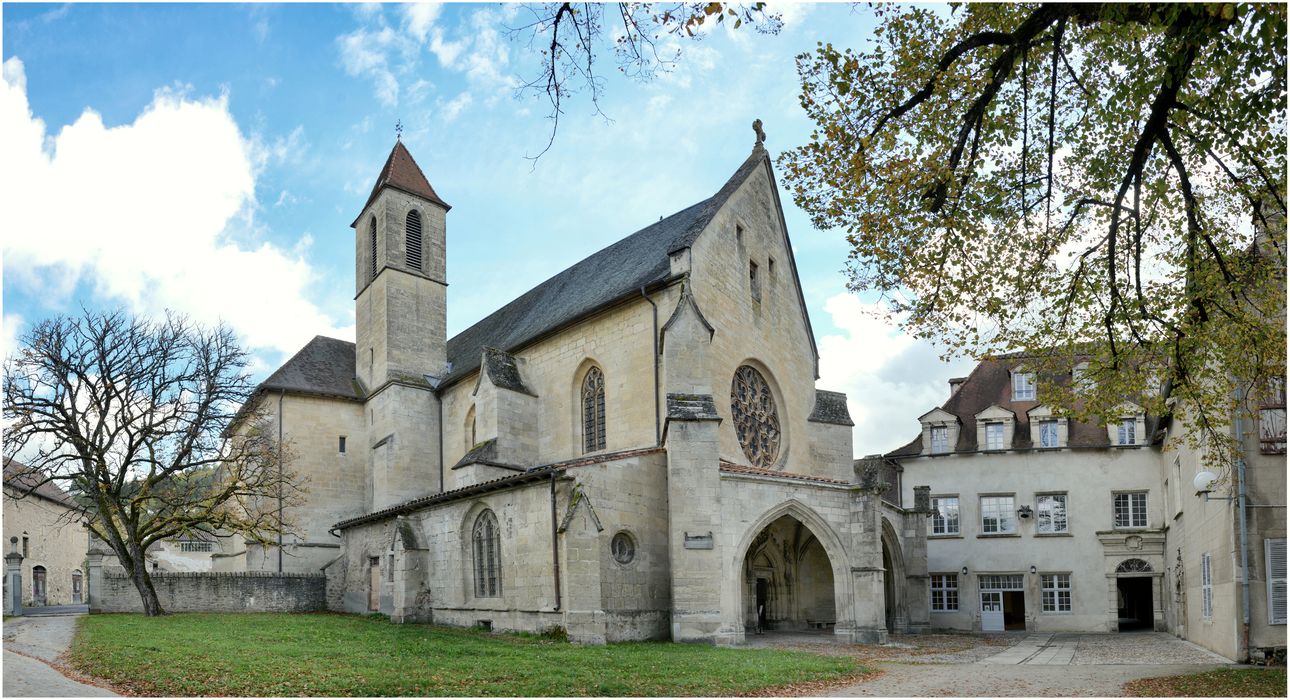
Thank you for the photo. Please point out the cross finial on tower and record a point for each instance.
(398, 130)
(761, 135)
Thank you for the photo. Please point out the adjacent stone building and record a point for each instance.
(50, 537)
(633, 449)
(1044, 523)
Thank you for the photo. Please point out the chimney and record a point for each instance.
(956, 384)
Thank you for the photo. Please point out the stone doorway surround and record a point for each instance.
(1134, 553)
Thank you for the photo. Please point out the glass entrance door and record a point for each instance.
(991, 611)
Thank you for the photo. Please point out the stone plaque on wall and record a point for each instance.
(698, 541)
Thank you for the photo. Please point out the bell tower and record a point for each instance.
(401, 317)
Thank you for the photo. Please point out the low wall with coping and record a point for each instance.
(213, 592)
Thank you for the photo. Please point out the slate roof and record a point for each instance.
(26, 480)
(990, 383)
(504, 371)
(831, 407)
(402, 173)
(323, 366)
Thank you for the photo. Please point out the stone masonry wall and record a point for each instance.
(216, 592)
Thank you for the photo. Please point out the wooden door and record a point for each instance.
(991, 611)
(76, 587)
(38, 586)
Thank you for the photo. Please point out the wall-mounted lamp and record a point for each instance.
(1033, 570)
(965, 571)
(1024, 512)
(1204, 483)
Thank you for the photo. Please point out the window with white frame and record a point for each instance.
(1023, 386)
(1130, 509)
(1050, 513)
(994, 436)
(945, 515)
(1274, 551)
(998, 515)
(1056, 593)
(1206, 588)
(940, 439)
(945, 592)
(1125, 434)
(1048, 434)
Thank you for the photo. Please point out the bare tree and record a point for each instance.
(147, 423)
(570, 37)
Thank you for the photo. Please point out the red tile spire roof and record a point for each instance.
(402, 173)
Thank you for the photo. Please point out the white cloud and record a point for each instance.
(418, 17)
(454, 107)
(14, 324)
(871, 359)
(146, 213)
(366, 53)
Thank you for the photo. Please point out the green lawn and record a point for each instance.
(1222, 683)
(325, 654)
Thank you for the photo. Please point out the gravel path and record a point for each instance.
(32, 647)
(1023, 680)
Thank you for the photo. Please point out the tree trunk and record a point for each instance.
(143, 582)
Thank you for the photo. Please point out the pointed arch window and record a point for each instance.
(412, 229)
(593, 410)
(486, 541)
(371, 240)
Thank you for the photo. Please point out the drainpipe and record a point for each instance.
(440, 400)
(281, 393)
(653, 343)
(555, 544)
(1245, 560)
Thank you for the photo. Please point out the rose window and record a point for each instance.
(756, 420)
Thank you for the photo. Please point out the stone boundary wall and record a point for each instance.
(214, 592)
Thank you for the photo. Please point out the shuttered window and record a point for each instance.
(413, 231)
(1275, 555)
(1206, 588)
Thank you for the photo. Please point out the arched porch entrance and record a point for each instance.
(893, 564)
(788, 580)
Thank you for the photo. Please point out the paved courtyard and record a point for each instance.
(1008, 665)
(32, 647)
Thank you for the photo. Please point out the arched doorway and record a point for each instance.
(788, 581)
(38, 589)
(893, 580)
(1135, 603)
(77, 587)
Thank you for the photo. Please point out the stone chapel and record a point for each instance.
(633, 449)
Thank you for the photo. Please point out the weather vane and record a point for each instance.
(398, 130)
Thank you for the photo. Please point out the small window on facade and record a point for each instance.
(1050, 513)
(754, 284)
(1272, 431)
(994, 436)
(940, 439)
(412, 231)
(341, 446)
(739, 234)
(372, 247)
(593, 410)
(945, 515)
(945, 592)
(487, 545)
(1056, 590)
(1125, 435)
(998, 515)
(1206, 588)
(1048, 433)
(1130, 510)
(1274, 551)
(25, 552)
(1023, 386)
(469, 428)
(770, 270)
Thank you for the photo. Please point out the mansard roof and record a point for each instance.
(990, 384)
(402, 173)
(323, 366)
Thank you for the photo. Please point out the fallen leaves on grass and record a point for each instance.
(1224, 682)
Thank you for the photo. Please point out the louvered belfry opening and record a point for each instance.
(372, 248)
(413, 229)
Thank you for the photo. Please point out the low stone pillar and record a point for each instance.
(94, 580)
(13, 579)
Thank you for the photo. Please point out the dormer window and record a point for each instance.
(940, 439)
(1048, 434)
(1129, 428)
(1126, 432)
(994, 436)
(1023, 386)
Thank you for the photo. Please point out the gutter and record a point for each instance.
(653, 343)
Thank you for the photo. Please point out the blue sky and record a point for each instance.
(209, 159)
